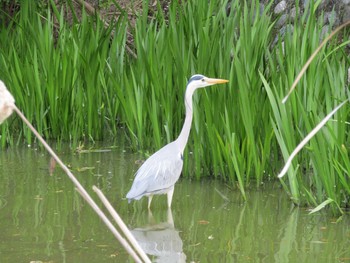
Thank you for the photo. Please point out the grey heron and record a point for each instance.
(159, 173)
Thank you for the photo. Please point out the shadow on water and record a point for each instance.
(44, 219)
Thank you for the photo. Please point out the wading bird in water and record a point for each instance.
(160, 171)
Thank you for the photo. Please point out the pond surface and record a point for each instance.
(43, 219)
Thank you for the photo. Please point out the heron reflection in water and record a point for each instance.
(161, 240)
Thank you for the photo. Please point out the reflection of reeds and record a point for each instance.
(84, 83)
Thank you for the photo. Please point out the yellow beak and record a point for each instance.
(216, 81)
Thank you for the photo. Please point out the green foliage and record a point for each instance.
(78, 81)
(61, 83)
(317, 174)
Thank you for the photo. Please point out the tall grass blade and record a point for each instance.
(323, 205)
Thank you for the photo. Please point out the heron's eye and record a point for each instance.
(202, 80)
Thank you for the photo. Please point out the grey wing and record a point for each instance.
(160, 172)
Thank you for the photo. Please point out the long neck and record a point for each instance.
(185, 132)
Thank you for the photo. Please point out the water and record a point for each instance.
(43, 219)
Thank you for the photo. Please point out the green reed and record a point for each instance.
(317, 175)
(58, 73)
(80, 81)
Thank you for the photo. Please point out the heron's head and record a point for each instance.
(200, 81)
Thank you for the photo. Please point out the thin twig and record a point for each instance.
(121, 224)
(91, 10)
(311, 58)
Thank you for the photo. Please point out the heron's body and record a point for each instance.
(159, 173)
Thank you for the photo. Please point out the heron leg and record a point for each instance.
(170, 196)
(170, 218)
(149, 201)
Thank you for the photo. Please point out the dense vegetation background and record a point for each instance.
(80, 75)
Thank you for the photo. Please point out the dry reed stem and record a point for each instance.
(301, 73)
(121, 224)
(80, 188)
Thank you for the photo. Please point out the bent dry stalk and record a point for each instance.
(307, 139)
(7, 105)
(301, 73)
